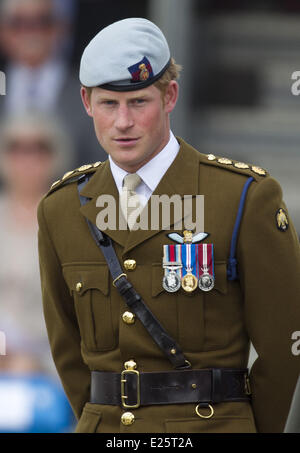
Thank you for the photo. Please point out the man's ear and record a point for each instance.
(171, 96)
(86, 100)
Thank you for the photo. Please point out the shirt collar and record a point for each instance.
(152, 172)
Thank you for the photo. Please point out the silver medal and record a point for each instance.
(206, 282)
(171, 282)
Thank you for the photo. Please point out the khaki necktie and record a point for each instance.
(130, 202)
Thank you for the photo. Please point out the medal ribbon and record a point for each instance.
(179, 259)
(205, 259)
(188, 257)
(172, 257)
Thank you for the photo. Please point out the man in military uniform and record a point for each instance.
(136, 352)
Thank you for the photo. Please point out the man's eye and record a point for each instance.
(139, 101)
(109, 103)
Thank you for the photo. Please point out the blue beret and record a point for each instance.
(127, 55)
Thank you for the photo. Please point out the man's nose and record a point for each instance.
(124, 119)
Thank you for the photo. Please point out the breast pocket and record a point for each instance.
(198, 315)
(185, 312)
(89, 285)
(223, 312)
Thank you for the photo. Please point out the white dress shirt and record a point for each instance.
(151, 173)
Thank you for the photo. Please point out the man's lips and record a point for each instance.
(126, 141)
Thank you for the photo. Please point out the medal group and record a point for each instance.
(188, 266)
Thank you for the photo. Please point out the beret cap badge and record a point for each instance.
(144, 73)
(141, 71)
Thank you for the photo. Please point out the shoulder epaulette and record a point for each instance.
(236, 166)
(73, 175)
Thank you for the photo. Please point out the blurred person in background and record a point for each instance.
(35, 42)
(32, 150)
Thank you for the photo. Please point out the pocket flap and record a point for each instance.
(90, 419)
(220, 278)
(89, 275)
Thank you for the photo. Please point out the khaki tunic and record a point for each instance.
(86, 330)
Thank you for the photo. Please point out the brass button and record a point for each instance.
(128, 317)
(241, 165)
(127, 418)
(66, 175)
(225, 161)
(79, 287)
(211, 157)
(130, 365)
(55, 182)
(129, 265)
(84, 167)
(258, 170)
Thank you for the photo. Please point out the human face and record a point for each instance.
(132, 126)
(29, 32)
(28, 162)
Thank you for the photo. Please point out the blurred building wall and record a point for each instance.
(236, 98)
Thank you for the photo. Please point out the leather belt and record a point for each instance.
(132, 388)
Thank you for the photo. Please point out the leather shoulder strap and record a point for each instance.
(134, 301)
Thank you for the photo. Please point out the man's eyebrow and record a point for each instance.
(142, 96)
(106, 98)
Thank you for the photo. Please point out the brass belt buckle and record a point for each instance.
(117, 278)
(138, 392)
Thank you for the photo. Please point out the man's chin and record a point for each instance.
(128, 163)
